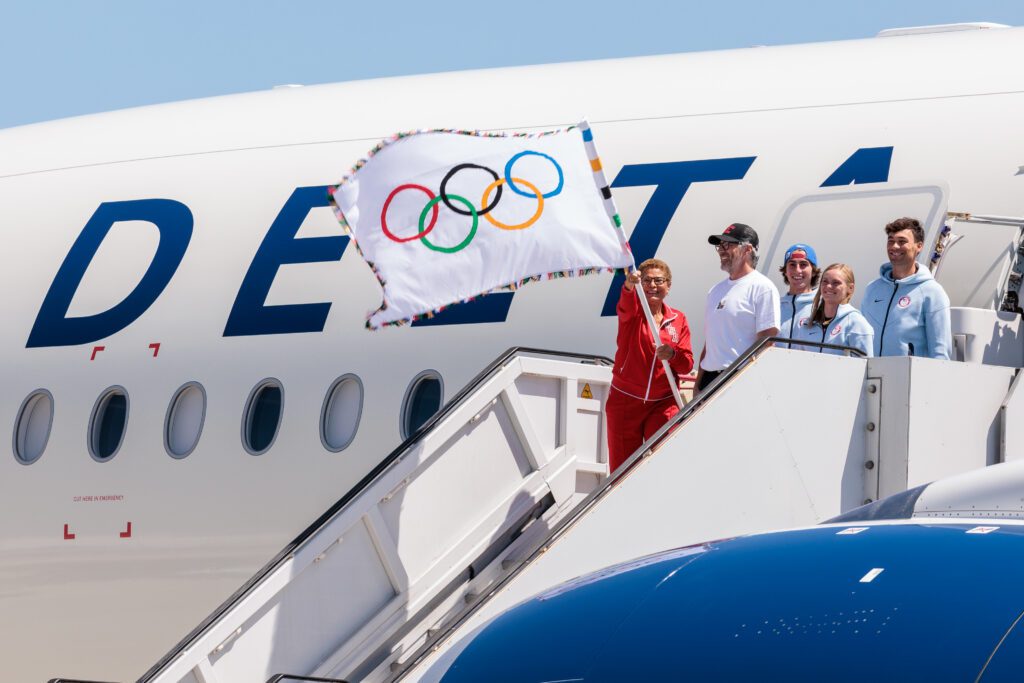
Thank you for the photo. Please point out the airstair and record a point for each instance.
(505, 493)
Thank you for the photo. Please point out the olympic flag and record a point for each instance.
(443, 217)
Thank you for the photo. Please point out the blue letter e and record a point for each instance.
(250, 314)
(173, 220)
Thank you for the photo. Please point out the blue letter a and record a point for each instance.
(52, 327)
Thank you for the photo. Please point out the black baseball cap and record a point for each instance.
(737, 232)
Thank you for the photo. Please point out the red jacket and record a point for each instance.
(637, 370)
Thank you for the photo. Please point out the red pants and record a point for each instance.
(631, 421)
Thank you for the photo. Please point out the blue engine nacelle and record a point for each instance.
(901, 602)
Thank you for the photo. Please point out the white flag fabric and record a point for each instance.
(443, 217)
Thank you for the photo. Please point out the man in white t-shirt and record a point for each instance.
(741, 309)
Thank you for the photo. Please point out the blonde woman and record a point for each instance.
(833, 320)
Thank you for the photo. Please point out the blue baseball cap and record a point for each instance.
(801, 251)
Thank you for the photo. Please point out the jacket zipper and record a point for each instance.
(654, 362)
(881, 337)
(792, 320)
(650, 379)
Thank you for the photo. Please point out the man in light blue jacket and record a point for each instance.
(801, 273)
(907, 308)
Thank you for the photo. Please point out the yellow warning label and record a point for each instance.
(586, 393)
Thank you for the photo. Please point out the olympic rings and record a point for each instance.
(531, 220)
(456, 169)
(384, 213)
(432, 204)
(486, 205)
(510, 180)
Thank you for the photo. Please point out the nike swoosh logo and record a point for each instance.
(877, 300)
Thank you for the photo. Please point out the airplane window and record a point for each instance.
(107, 427)
(32, 430)
(342, 410)
(184, 422)
(262, 416)
(422, 400)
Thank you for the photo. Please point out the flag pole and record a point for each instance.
(613, 215)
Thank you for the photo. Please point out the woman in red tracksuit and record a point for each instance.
(640, 400)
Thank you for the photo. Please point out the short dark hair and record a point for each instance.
(911, 224)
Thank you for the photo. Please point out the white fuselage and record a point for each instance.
(749, 130)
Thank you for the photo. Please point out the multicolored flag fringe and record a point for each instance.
(445, 216)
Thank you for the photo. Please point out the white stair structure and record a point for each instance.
(504, 494)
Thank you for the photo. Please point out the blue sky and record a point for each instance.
(71, 57)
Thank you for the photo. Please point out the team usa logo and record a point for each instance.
(903, 302)
(675, 335)
(803, 321)
(836, 330)
(487, 204)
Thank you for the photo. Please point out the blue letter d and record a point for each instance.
(52, 327)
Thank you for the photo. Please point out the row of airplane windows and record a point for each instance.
(183, 426)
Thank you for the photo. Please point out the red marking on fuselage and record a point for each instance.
(127, 533)
(156, 348)
(95, 350)
(68, 536)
